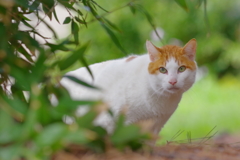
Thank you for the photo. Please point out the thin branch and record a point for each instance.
(114, 10)
(41, 20)
(69, 12)
(99, 6)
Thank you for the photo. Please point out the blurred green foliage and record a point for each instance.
(31, 127)
(210, 105)
(31, 124)
(216, 26)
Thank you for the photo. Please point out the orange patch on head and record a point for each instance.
(184, 56)
(130, 58)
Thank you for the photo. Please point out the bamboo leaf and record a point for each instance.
(24, 52)
(79, 12)
(51, 134)
(81, 82)
(48, 7)
(67, 20)
(82, 59)
(34, 6)
(133, 9)
(199, 3)
(149, 19)
(113, 26)
(75, 56)
(183, 4)
(99, 6)
(26, 24)
(55, 15)
(113, 37)
(81, 21)
(55, 47)
(75, 31)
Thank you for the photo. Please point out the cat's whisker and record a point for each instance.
(156, 92)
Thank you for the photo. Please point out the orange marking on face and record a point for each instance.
(130, 58)
(167, 52)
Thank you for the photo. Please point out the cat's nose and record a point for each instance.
(173, 81)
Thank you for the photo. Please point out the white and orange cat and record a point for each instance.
(148, 86)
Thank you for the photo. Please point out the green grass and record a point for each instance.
(209, 103)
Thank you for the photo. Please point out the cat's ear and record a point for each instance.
(153, 51)
(190, 49)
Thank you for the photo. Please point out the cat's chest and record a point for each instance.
(164, 104)
(153, 107)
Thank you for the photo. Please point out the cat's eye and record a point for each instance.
(162, 70)
(181, 69)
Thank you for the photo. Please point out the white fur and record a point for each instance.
(129, 85)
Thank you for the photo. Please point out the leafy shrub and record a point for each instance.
(31, 127)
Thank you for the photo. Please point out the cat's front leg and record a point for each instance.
(157, 126)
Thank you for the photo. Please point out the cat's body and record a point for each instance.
(136, 84)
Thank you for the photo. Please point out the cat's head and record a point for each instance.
(172, 68)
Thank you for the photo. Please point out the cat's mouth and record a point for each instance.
(173, 88)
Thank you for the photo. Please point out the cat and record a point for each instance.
(148, 86)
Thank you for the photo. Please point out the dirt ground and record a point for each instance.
(223, 147)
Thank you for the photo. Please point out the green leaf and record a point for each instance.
(66, 4)
(17, 104)
(79, 81)
(67, 20)
(75, 31)
(48, 7)
(183, 4)
(101, 132)
(79, 136)
(81, 21)
(39, 68)
(113, 26)
(79, 12)
(85, 121)
(27, 24)
(66, 105)
(55, 47)
(24, 3)
(149, 19)
(99, 6)
(20, 75)
(113, 37)
(82, 59)
(24, 52)
(51, 134)
(55, 15)
(199, 3)
(34, 6)
(47, 11)
(133, 10)
(75, 56)
(16, 92)
(125, 134)
(8, 125)
(10, 152)
(23, 17)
